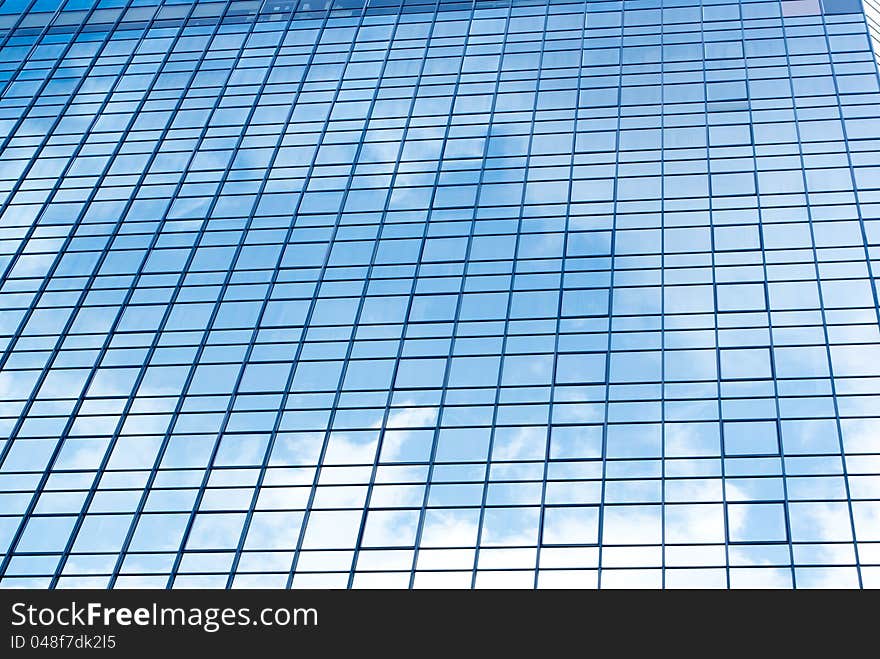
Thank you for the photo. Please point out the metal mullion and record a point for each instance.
(610, 310)
(865, 243)
(270, 444)
(470, 238)
(412, 293)
(177, 288)
(455, 319)
(61, 336)
(224, 287)
(96, 224)
(541, 505)
(301, 538)
(111, 333)
(148, 250)
(663, 383)
(10, 32)
(871, 276)
(510, 293)
(571, 479)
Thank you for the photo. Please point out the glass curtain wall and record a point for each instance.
(514, 293)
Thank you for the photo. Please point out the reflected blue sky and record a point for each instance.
(484, 294)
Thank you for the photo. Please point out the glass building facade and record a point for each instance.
(872, 14)
(515, 293)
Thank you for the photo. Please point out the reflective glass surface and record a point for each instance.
(358, 293)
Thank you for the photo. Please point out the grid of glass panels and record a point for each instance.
(872, 16)
(461, 294)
